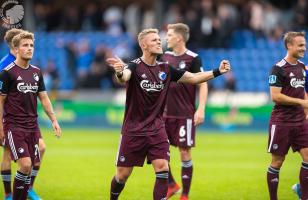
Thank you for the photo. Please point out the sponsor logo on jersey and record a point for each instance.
(162, 76)
(294, 82)
(151, 87)
(27, 87)
(182, 65)
(272, 79)
(36, 77)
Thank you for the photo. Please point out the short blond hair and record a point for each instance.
(181, 29)
(145, 32)
(289, 36)
(24, 35)
(8, 37)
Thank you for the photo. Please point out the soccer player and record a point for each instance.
(296, 187)
(6, 158)
(143, 131)
(6, 173)
(288, 126)
(20, 85)
(181, 116)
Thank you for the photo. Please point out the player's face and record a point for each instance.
(152, 44)
(298, 47)
(172, 38)
(25, 49)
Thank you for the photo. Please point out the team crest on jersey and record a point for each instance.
(162, 76)
(182, 65)
(1, 83)
(272, 79)
(144, 76)
(36, 77)
(304, 73)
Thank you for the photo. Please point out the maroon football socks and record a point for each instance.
(272, 182)
(187, 171)
(116, 189)
(6, 178)
(161, 185)
(303, 177)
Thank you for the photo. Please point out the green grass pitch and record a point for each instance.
(80, 165)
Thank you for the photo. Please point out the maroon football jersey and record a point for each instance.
(291, 78)
(21, 86)
(146, 93)
(181, 97)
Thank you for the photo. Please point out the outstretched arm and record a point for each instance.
(49, 111)
(200, 77)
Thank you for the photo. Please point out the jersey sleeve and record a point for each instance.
(176, 74)
(196, 65)
(276, 77)
(41, 84)
(131, 66)
(5, 82)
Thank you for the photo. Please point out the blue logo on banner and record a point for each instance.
(272, 79)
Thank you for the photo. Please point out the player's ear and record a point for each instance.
(289, 45)
(143, 45)
(15, 49)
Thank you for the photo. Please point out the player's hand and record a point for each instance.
(199, 117)
(56, 128)
(117, 64)
(112, 61)
(224, 66)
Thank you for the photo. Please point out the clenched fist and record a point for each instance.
(117, 64)
(224, 66)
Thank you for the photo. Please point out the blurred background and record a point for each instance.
(74, 37)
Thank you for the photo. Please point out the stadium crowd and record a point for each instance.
(212, 24)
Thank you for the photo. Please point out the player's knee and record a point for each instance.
(122, 175)
(304, 154)
(42, 147)
(277, 163)
(25, 166)
(185, 154)
(6, 155)
(161, 166)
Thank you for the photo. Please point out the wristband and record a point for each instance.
(216, 72)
